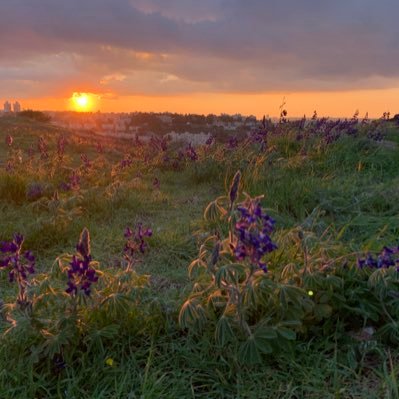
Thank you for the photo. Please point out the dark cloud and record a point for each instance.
(174, 46)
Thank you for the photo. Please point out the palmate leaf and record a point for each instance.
(286, 333)
(231, 273)
(223, 333)
(290, 294)
(116, 304)
(313, 280)
(333, 282)
(54, 343)
(249, 352)
(189, 313)
(107, 332)
(263, 335)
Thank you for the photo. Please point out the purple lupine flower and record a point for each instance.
(9, 140)
(19, 264)
(388, 257)
(156, 184)
(34, 191)
(81, 275)
(85, 161)
(232, 143)
(252, 231)
(61, 143)
(136, 243)
(74, 181)
(191, 153)
(42, 147)
(126, 162)
(209, 141)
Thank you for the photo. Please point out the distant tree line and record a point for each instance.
(34, 115)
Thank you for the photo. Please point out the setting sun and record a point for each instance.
(81, 102)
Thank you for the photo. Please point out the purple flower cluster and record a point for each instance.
(252, 231)
(9, 140)
(209, 141)
(19, 265)
(156, 184)
(136, 239)
(81, 275)
(61, 144)
(85, 161)
(388, 257)
(126, 162)
(232, 143)
(43, 148)
(34, 191)
(191, 153)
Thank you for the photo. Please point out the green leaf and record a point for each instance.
(223, 332)
(229, 274)
(286, 333)
(188, 314)
(248, 352)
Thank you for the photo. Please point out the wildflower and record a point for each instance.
(81, 275)
(126, 162)
(232, 143)
(74, 182)
(252, 231)
(191, 153)
(43, 148)
(209, 141)
(136, 242)
(110, 362)
(34, 191)
(86, 161)
(19, 265)
(9, 140)
(136, 239)
(61, 143)
(388, 257)
(156, 183)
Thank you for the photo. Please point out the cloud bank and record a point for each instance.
(170, 47)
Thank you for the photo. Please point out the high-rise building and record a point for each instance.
(16, 107)
(7, 107)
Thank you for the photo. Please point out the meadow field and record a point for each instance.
(265, 267)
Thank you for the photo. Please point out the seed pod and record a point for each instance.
(215, 254)
(234, 188)
(83, 246)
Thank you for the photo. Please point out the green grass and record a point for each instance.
(346, 193)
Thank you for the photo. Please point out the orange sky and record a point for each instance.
(332, 104)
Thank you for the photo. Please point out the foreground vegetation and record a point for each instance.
(166, 296)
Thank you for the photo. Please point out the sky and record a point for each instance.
(208, 56)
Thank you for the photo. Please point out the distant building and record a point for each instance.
(7, 107)
(16, 107)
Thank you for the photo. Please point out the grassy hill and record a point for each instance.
(341, 199)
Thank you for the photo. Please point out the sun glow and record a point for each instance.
(81, 101)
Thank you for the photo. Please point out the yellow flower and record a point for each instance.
(110, 362)
(310, 293)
